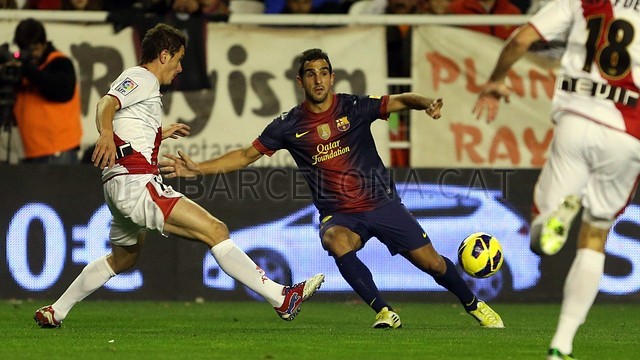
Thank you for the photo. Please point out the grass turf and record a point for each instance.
(323, 330)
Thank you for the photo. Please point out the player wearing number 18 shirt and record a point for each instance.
(594, 159)
(330, 139)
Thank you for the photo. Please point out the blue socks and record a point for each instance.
(359, 277)
(356, 273)
(452, 281)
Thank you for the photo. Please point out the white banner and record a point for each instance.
(453, 63)
(252, 72)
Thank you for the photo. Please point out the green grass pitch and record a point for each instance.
(323, 330)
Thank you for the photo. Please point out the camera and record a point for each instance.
(10, 67)
(10, 77)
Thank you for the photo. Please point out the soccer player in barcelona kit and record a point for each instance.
(594, 159)
(329, 137)
(129, 121)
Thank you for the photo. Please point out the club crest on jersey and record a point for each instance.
(126, 86)
(324, 131)
(343, 124)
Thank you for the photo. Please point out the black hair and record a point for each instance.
(159, 38)
(310, 55)
(29, 32)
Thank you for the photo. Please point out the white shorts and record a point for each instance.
(137, 203)
(592, 161)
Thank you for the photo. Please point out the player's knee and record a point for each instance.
(596, 221)
(337, 242)
(434, 266)
(218, 231)
(121, 264)
(427, 260)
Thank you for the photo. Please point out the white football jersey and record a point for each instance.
(137, 125)
(600, 69)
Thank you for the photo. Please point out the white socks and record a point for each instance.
(580, 290)
(231, 259)
(239, 266)
(92, 277)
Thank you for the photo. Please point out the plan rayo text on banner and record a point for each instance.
(455, 70)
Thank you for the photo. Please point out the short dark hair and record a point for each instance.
(159, 38)
(310, 55)
(29, 32)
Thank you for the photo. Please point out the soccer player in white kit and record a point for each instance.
(594, 160)
(129, 121)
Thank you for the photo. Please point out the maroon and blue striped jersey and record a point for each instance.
(335, 152)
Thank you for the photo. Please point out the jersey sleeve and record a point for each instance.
(270, 140)
(131, 88)
(373, 107)
(554, 20)
(384, 115)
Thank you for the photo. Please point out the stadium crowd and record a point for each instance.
(290, 6)
(190, 15)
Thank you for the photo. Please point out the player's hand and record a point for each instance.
(434, 108)
(175, 131)
(489, 100)
(180, 165)
(104, 154)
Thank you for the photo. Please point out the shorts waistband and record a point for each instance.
(586, 87)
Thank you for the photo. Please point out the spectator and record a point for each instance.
(279, 6)
(523, 5)
(43, 4)
(536, 5)
(140, 5)
(8, 4)
(186, 16)
(367, 7)
(487, 7)
(214, 7)
(87, 5)
(306, 7)
(47, 105)
(401, 7)
(434, 7)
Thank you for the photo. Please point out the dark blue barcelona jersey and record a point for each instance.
(335, 152)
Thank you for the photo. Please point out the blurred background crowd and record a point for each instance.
(191, 16)
(225, 7)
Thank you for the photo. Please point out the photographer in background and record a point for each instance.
(47, 105)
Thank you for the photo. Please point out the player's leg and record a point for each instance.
(610, 186)
(343, 244)
(559, 187)
(399, 230)
(581, 285)
(444, 272)
(95, 274)
(190, 220)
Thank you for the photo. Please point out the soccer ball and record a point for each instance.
(480, 255)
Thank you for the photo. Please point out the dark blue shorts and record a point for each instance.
(392, 224)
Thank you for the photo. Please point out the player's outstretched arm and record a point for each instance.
(183, 166)
(415, 101)
(495, 89)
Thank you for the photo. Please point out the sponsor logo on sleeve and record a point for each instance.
(126, 86)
